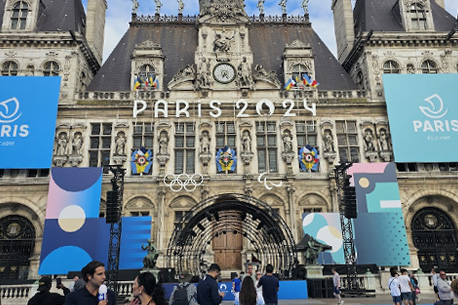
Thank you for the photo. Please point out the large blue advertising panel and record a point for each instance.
(423, 114)
(28, 110)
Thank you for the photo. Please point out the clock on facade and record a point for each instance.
(224, 73)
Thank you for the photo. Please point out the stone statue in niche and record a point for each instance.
(163, 142)
(205, 142)
(328, 141)
(383, 140)
(62, 142)
(202, 80)
(246, 142)
(369, 140)
(244, 74)
(77, 143)
(120, 148)
(287, 141)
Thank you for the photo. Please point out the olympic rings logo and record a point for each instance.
(183, 181)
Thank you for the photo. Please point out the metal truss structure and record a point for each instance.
(347, 229)
(269, 235)
(114, 247)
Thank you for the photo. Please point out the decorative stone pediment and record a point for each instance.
(270, 77)
(187, 74)
(224, 10)
(182, 202)
(140, 203)
(297, 44)
(147, 45)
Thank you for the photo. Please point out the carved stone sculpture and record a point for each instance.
(62, 142)
(163, 143)
(312, 248)
(205, 142)
(120, 148)
(77, 144)
(149, 261)
(158, 6)
(287, 142)
(245, 79)
(369, 140)
(261, 6)
(246, 142)
(328, 141)
(283, 6)
(135, 6)
(305, 6)
(180, 6)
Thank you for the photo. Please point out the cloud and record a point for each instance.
(119, 16)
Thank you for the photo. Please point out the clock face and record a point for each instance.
(224, 73)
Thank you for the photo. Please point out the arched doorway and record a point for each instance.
(221, 223)
(435, 237)
(17, 241)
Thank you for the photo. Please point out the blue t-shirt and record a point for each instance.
(237, 283)
(270, 286)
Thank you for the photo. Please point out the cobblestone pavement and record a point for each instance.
(426, 299)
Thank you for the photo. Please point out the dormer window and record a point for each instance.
(19, 15)
(429, 67)
(418, 17)
(299, 70)
(391, 67)
(146, 79)
(9, 68)
(51, 68)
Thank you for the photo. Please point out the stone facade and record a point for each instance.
(225, 95)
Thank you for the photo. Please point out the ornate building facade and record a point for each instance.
(205, 96)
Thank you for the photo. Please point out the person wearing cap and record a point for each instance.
(44, 297)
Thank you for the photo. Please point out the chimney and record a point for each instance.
(343, 27)
(95, 26)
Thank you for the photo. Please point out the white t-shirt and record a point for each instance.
(393, 285)
(404, 281)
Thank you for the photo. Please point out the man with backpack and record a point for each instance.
(184, 293)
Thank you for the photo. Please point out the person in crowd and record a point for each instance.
(236, 285)
(395, 288)
(248, 294)
(71, 287)
(444, 288)
(146, 291)
(94, 276)
(249, 272)
(184, 293)
(435, 277)
(406, 287)
(258, 277)
(270, 286)
(415, 289)
(207, 289)
(336, 285)
(44, 297)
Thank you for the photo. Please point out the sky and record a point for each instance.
(119, 14)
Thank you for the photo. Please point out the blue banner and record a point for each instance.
(28, 110)
(423, 115)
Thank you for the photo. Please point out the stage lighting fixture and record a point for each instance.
(259, 225)
(349, 200)
(192, 233)
(245, 234)
(271, 231)
(201, 227)
(216, 216)
(243, 216)
(113, 211)
(203, 251)
(209, 216)
(224, 232)
(235, 232)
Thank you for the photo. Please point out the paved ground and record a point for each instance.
(425, 299)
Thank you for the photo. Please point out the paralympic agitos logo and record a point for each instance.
(435, 113)
(10, 113)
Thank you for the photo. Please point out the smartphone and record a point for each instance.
(58, 282)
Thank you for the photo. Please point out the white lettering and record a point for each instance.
(164, 111)
(179, 111)
(6, 129)
(312, 109)
(138, 111)
(291, 107)
(417, 125)
(268, 103)
(24, 131)
(427, 126)
(216, 108)
(241, 113)
(454, 124)
(439, 125)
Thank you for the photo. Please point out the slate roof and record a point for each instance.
(179, 43)
(378, 15)
(57, 15)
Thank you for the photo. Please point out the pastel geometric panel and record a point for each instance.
(380, 238)
(74, 194)
(135, 232)
(325, 228)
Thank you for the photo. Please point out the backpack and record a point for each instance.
(180, 297)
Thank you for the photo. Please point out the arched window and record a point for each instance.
(391, 67)
(51, 68)
(298, 71)
(429, 67)
(147, 78)
(9, 68)
(19, 15)
(17, 241)
(418, 17)
(146, 71)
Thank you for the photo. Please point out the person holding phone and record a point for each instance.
(44, 297)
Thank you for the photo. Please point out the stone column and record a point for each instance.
(292, 208)
(160, 219)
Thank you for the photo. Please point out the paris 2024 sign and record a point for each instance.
(423, 115)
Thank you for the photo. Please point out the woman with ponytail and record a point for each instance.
(146, 291)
